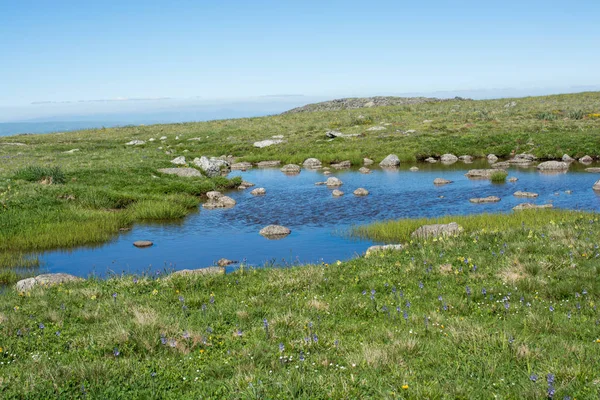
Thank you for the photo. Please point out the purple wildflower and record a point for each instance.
(405, 315)
(315, 338)
(212, 299)
(57, 333)
(468, 289)
(114, 296)
(41, 326)
(281, 347)
(186, 335)
(533, 377)
(364, 292)
(116, 352)
(301, 358)
(239, 333)
(181, 299)
(421, 285)
(551, 309)
(483, 291)
(550, 379)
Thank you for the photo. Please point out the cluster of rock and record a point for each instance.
(364, 102)
(218, 200)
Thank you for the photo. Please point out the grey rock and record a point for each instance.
(448, 158)
(513, 179)
(367, 161)
(525, 194)
(184, 172)
(268, 164)
(489, 199)
(364, 170)
(430, 160)
(390, 161)
(586, 159)
(258, 192)
(437, 230)
(245, 185)
(267, 143)
(523, 158)
(567, 158)
(553, 166)
(332, 181)
(312, 163)
(342, 165)
(596, 186)
(26, 285)
(595, 170)
(501, 165)
(218, 200)
(71, 151)
(364, 102)
(241, 166)
(290, 169)
(385, 247)
(223, 262)
(178, 161)
(338, 134)
(492, 158)
(275, 231)
(480, 173)
(441, 181)
(530, 206)
(135, 143)
(361, 192)
(143, 243)
(199, 271)
(466, 159)
(212, 167)
(413, 169)
(337, 193)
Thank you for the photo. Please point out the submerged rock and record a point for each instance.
(596, 186)
(525, 194)
(143, 243)
(436, 230)
(364, 170)
(489, 199)
(385, 247)
(413, 169)
(275, 231)
(258, 192)
(390, 161)
(441, 181)
(531, 206)
(26, 285)
(245, 185)
(595, 170)
(513, 179)
(184, 172)
(241, 166)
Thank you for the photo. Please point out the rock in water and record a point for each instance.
(480, 173)
(489, 199)
(26, 285)
(337, 193)
(414, 169)
(275, 232)
(466, 159)
(430, 160)
(525, 194)
(448, 158)
(312, 163)
(364, 170)
(596, 186)
(522, 159)
(245, 185)
(567, 158)
(332, 181)
(342, 165)
(223, 262)
(553, 166)
(290, 169)
(241, 166)
(218, 200)
(361, 192)
(367, 161)
(268, 164)
(143, 243)
(441, 181)
(586, 159)
(211, 167)
(390, 161)
(258, 192)
(436, 230)
(492, 158)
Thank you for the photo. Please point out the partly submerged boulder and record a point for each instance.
(275, 231)
(553, 166)
(218, 200)
(342, 164)
(488, 199)
(268, 164)
(525, 194)
(290, 169)
(258, 192)
(211, 166)
(441, 181)
(390, 161)
(312, 163)
(361, 192)
(448, 158)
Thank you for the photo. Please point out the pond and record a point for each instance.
(319, 222)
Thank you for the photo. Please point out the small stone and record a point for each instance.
(489, 199)
(466, 159)
(223, 262)
(586, 159)
(364, 170)
(492, 158)
(448, 159)
(332, 181)
(290, 169)
(267, 143)
(268, 164)
(258, 192)
(596, 186)
(367, 161)
(530, 206)
(413, 169)
(245, 185)
(26, 285)
(342, 165)
(430, 160)
(595, 170)
(241, 166)
(337, 193)
(179, 161)
(143, 243)
(390, 161)
(553, 166)
(135, 143)
(567, 158)
(361, 192)
(312, 163)
(513, 179)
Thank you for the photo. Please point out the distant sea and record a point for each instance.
(15, 128)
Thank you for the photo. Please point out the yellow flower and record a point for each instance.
(339, 262)
(597, 341)
(404, 387)
(1, 349)
(154, 292)
(201, 351)
(93, 297)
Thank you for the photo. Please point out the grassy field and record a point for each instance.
(106, 185)
(506, 313)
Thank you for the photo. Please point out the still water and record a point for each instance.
(319, 222)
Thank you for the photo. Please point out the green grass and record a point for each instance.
(538, 316)
(499, 176)
(53, 175)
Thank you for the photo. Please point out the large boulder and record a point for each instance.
(312, 163)
(290, 169)
(385, 247)
(211, 166)
(390, 161)
(26, 285)
(275, 231)
(267, 143)
(184, 172)
(437, 230)
(489, 199)
(553, 166)
(218, 200)
(448, 158)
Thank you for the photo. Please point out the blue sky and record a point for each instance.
(84, 50)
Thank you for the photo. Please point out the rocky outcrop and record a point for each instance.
(437, 230)
(364, 170)
(218, 200)
(361, 192)
(258, 192)
(179, 161)
(385, 247)
(441, 181)
(531, 206)
(211, 166)
(448, 158)
(267, 143)
(312, 163)
(26, 285)
(275, 231)
(525, 194)
(390, 161)
(337, 193)
(363, 102)
(241, 166)
(342, 165)
(143, 243)
(290, 169)
(268, 164)
(553, 166)
(489, 199)
(184, 172)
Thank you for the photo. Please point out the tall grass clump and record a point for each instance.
(547, 116)
(499, 176)
(576, 114)
(157, 210)
(36, 174)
